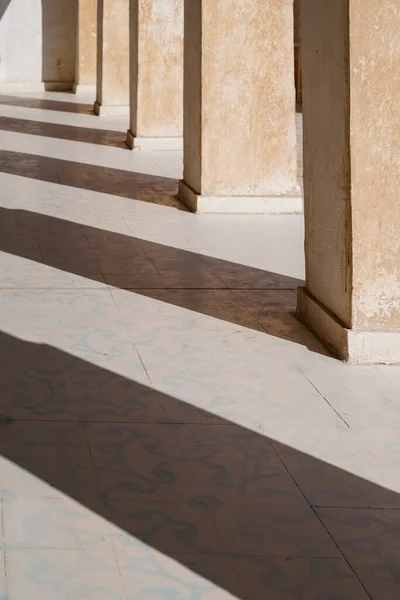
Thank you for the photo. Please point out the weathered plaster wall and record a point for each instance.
(37, 41)
(245, 107)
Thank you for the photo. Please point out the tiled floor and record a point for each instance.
(168, 430)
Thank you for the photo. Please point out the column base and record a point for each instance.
(350, 345)
(107, 110)
(153, 143)
(261, 205)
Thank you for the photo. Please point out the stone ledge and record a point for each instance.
(350, 345)
(263, 205)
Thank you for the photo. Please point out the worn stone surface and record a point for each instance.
(352, 159)
(239, 119)
(113, 53)
(157, 68)
(87, 45)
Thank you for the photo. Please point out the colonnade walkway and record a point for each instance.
(168, 429)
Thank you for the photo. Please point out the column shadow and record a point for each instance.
(3, 7)
(88, 135)
(243, 295)
(46, 104)
(127, 184)
(246, 513)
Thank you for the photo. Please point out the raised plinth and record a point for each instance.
(109, 110)
(351, 345)
(153, 143)
(264, 205)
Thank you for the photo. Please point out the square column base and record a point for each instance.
(350, 345)
(108, 110)
(153, 143)
(262, 205)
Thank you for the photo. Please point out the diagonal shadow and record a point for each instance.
(127, 184)
(3, 7)
(88, 135)
(240, 294)
(46, 104)
(255, 517)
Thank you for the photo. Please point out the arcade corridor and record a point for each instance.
(168, 429)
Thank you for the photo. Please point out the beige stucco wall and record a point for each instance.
(240, 121)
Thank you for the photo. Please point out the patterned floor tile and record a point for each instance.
(171, 528)
(135, 461)
(53, 523)
(149, 573)
(63, 574)
(369, 539)
(285, 531)
(298, 579)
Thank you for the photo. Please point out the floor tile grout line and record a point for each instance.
(317, 516)
(325, 399)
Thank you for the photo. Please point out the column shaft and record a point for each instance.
(156, 71)
(112, 57)
(351, 113)
(85, 72)
(239, 107)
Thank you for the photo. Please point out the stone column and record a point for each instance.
(85, 70)
(156, 74)
(239, 107)
(112, 58)
(351, 94)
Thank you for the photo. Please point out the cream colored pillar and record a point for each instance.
(156, 74)
(239, 107)
(85, 71)
(112, 57)
(351, 54)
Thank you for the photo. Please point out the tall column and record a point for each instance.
(351, 54)
(112, 57)
(85, 70)
(156, 74)
(239, 107)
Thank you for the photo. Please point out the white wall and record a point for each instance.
(37, 40)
